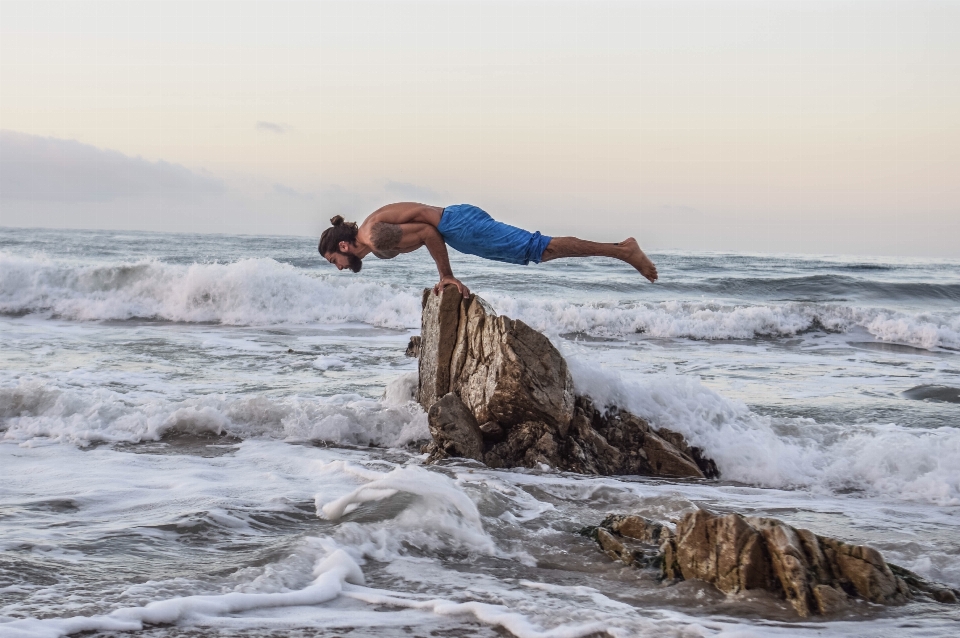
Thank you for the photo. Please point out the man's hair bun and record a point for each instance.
(340, 231)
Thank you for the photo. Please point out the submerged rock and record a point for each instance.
(816, 574)
(515, 384)
(632, 540)
(413, 347)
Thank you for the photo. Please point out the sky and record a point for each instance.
(772, 126)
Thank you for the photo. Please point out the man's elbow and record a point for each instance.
(429, 235)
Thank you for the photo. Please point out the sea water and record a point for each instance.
(213, 435)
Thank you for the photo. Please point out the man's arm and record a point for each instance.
(438, 250)
(431, 238)
(386, 238)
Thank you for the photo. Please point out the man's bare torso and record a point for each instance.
(389, 231)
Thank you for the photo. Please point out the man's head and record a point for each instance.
(337, 244)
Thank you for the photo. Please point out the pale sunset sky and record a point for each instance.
(770, 126)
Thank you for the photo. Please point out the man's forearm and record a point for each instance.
(438, 250)
(433, 240)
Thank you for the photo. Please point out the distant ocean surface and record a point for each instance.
(212, 435)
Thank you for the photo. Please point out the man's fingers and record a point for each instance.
(463, 290)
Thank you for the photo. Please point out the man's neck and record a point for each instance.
(360, 249)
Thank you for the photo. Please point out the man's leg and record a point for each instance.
(627, 250)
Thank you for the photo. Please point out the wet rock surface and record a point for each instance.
(514, 390)
(413, 348)
(452, 422)
(817, 575)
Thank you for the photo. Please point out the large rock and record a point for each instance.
(503, 370)
(517, 387)
(438, 336)
(617, 442)
(816, 574)
(454, 430)
(507, 372)
(722, 550)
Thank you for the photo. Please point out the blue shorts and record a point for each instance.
(472, 231)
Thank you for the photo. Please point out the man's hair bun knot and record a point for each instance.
(336, 220)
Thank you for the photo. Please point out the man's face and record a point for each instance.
(344, 260)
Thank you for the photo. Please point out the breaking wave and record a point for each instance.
(910, 463)
(247, 292)
(263, 291)
(711, 320)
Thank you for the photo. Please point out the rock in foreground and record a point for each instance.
(816, 574)
(499, 392)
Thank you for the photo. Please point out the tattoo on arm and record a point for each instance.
(385, 236)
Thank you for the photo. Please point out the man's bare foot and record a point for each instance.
(638, 259)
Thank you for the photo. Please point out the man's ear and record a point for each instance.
(344, 247)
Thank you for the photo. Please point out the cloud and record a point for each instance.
(56, 183)
(45, 169)
(270, 127)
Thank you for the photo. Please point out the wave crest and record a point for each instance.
(911, 463)
(263, 292)
(247, 292)
(714, 321)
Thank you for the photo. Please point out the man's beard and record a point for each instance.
(355, 262)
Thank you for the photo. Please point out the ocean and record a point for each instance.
(213, 435)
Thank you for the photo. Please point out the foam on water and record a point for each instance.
(337, 574)
(35, 411)
(247, 292)
(713, 320)
(421, 532)
(333, 573)
(261, 291)
(911, 463)
(761, 450)
(266, 530)
(443, 517)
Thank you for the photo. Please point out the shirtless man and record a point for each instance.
(405, 227)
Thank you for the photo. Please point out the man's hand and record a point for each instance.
(448, 280)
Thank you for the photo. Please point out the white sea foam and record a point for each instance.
(402, 390)
(710, 320)
(35, 411)
(248, 292)
(911, 463)
(328, 363)
(430, 542)
(449, 546)
(443, 516)
(332, 574)
(337, 574)
(262, 291)
(497, 615)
